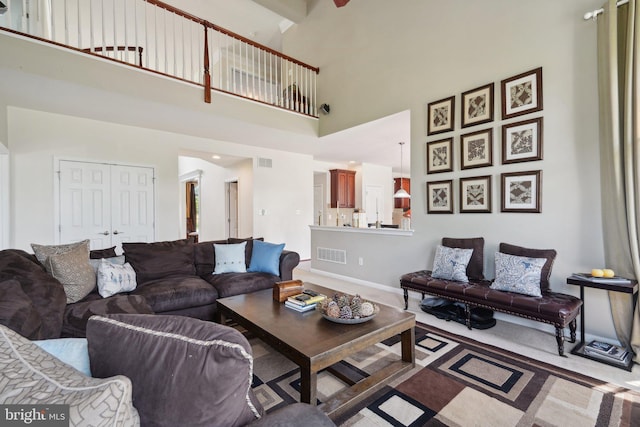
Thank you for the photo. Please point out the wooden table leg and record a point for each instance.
(308, 386)
(408, 339)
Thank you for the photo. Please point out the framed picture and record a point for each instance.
(440, 197)
(477, 106)
(522, 191)
(476, 149)
(522, 94)
(522, 141)
(440, 116)
(440, 156)
(475, 194)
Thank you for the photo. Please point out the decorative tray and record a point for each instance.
(348, 309)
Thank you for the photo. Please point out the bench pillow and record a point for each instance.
(548, 254)
(451, 263)
(475, 268)
(518, 274)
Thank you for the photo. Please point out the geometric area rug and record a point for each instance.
(457, 382)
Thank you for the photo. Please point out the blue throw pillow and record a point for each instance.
(72, 351)
(265, 257)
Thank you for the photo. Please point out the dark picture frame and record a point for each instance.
(475, 194)
(477, 105)
(476, 149)
(440, 197)
(522, 94)
(521, 191)
(441, 116)
(440, 156)
(522, 141)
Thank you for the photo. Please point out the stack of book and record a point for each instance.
(606, 351)
(304, 302)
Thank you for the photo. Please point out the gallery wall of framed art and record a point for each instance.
(456, 154)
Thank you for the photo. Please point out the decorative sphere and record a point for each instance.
(366, 309)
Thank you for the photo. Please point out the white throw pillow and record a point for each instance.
(230, 258)
(518, 274)
(114, 278)
(451, 263)
(95, 263)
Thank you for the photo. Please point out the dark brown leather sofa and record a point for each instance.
(557, 309)
(172, 277)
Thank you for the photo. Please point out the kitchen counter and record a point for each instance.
(383, 231)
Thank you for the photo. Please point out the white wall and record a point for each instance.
(36, 138)
(370, 70)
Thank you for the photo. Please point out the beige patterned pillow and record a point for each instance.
(44, 251)
(73, 270)
(30, 375)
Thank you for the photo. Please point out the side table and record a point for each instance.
(628, 288)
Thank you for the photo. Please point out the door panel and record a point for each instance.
(108, 204)
(132, 195)
(85, 203)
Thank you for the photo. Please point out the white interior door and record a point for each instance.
(85, 203)
(318, 204)
(107, 204)
(132, 204)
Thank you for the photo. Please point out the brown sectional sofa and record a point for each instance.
(557, 309)
(172, 278)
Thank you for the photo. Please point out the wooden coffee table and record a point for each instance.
(315, 343)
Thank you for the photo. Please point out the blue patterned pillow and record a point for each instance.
(451, 263)
(518, 274)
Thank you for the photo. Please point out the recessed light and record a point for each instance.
(216, 157)
(353, 162)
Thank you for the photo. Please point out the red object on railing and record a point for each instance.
(340, 3)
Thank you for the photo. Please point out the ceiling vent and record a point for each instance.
(265, 163)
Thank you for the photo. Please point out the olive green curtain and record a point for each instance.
(620, 157)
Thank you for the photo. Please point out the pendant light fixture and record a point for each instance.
(401, 193)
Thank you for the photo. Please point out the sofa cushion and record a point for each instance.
(103, 253)
(265, 257)
(77, 315)
(159, 260)
(451, 263)
(205, 256)
(46, 293)
(518, 274)
(16, 310)
(230, 284)
(475, 268)
(30, 375)
(44, 251)
(200, 373)
(229, 258)
(73, 270)
(549, 254)
(177, 293)
(115, 278)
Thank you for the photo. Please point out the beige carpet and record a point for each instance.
(528, 341)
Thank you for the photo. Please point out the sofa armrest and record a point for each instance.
(288, 261)
(293, 416)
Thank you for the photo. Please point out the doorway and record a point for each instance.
(232, 208)
(192, 209)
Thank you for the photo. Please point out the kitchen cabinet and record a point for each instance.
(406, 185)
(343, 188)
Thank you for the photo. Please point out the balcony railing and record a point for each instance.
(155, 36)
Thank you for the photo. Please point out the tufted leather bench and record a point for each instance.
(557, 309)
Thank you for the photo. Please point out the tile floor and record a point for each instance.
(534, 343)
